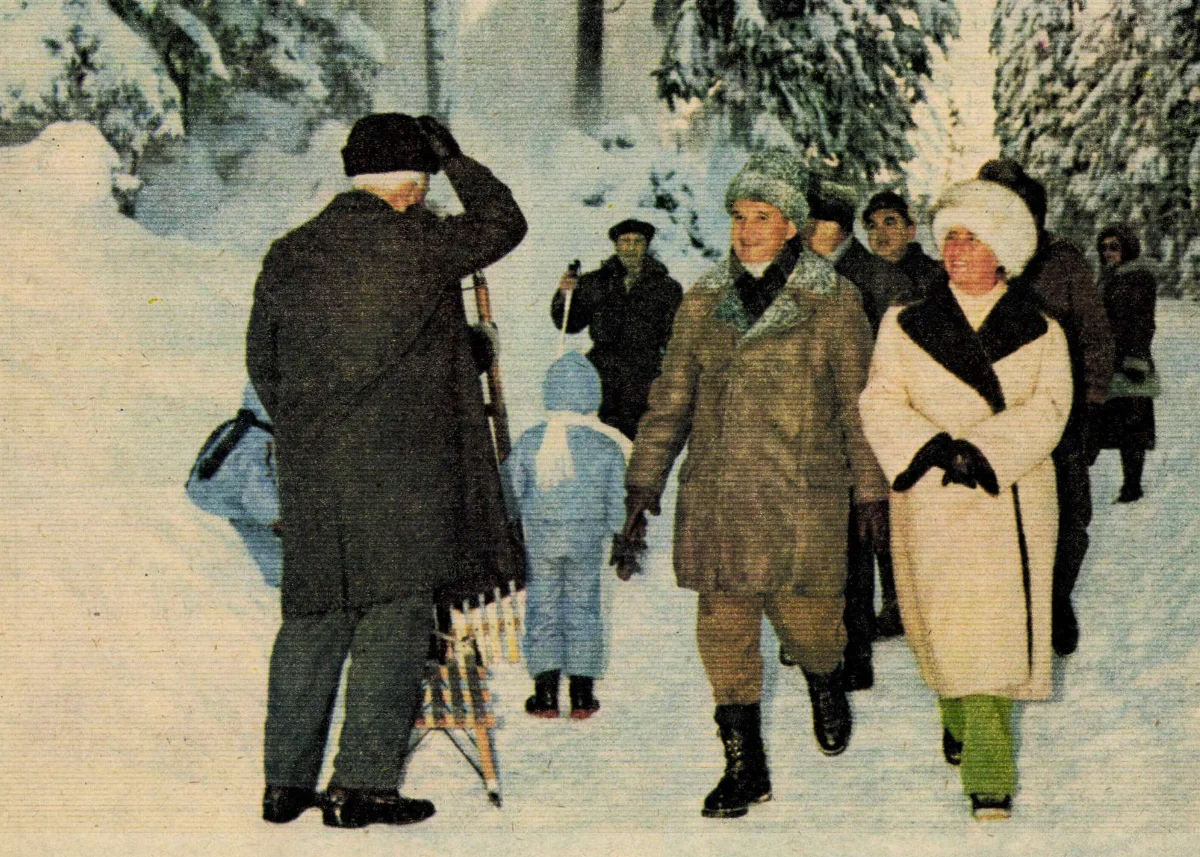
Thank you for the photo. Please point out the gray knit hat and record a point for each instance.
(775, 178)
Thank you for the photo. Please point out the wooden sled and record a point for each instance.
(458, 703)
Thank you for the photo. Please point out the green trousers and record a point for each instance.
(984, 726)
(387, 645)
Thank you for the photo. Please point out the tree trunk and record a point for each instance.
(589, 65)
(441, 37)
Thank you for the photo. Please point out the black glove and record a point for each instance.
(485, 345)
(626, 553)
(935, 453)
(440, 139)
(970, 467)
(1134, 374)
(638, 501)
(872, 522)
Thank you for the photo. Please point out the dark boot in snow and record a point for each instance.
(888, 623)
(832, 719)
(1132, 463)
(951, 748)
(583, 704)
(282, 804)
(746, 780)
(360, 807)
(857, 673)
(1064, 628)
(544, 702)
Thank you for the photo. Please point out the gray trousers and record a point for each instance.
(388, 645)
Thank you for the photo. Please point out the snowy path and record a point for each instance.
(138, 695)
(134, 633)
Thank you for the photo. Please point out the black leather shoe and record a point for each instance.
(282, 804)
(951, 748)
(991, 807)
(360, 807)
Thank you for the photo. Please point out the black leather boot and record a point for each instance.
(583, 703)
(952, 748)
(746, 780)
(544, 702)
(1064, 627)
(832, 718)
(282, 804)
(359, 807)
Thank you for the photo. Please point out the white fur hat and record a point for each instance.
(997, 217)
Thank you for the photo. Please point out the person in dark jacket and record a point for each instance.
(891, 235)
(628, 305)
(1061, 277)
(829, 232)
(1126, 420)
(358, 346)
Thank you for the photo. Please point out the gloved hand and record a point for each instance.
(970, 467)
(440, 139)
(935, 453)
(485, 345)
(638, 501)
(872, 521)
(625, 555)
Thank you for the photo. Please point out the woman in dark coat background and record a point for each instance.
(1126, 420)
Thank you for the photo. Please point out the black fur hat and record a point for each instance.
(388, 142)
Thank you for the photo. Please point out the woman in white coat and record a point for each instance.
(969, 391)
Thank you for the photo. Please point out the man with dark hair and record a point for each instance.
(829, 232)
(891, 235)
(627, 305)
(359, 348)
(1062, 279)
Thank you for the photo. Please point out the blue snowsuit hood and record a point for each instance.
(572, 384)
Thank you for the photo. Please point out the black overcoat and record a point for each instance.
(1130, 292)
(629, 331)
(358, 347)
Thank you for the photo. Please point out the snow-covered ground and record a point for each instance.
(135, 633)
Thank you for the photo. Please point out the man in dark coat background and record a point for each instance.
(358, 346)
(1061, 277)
(628, 305)
(892, 236)
(829, 232)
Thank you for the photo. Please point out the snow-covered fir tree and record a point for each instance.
(144, 70)
(834, 80)
(1033, 42)
(1179, 199)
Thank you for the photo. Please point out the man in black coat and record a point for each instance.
(359, 348)
(829, 232)
(891, 235)
(628, 305)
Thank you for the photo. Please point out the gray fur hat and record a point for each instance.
(775, 178)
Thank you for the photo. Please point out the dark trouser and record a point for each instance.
(1074, 514)
(388, 645)
(1133, 461)
(860, 589)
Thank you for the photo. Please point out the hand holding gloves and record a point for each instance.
(630, 543)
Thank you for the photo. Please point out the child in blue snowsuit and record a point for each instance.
(568, 480)
(244, 489)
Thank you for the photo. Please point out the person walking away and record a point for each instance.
(760, 381)
(1062, 279)
(359, 348)
(1126, 420)
(829, 232)
(627, 306)
(969, 392)
(567, 476)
